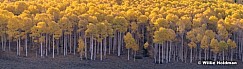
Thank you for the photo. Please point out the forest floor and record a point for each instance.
(9, 60)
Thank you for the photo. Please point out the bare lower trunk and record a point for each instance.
(215, 56)
(182, 48)
(105, 47)
(101, 50)
(159, 52)
(26, 50)
(223, 55)
(110, 44)
(95, 49)
(9, 44)
(85, 50)
(128, 54)
(134, 56)
(2, 43)
(119, 44)
(170, 51)
(41, 50)
(46, 41)
(92, 48)
(70, 43)
(74, 44)
(162, 52)
(231, 55)
(53, 47)
(17, 48)
(191, 56)
(205, 54)
(155, 52)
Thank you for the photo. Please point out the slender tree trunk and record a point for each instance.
(64, 46)
(119, 44)
(170, 51)
(85, 44)
(53, 46)
(75, 43)
(95, 49)
(41, 50)
(182, 47)
(105, 47)
(58, 46)
(5, 41)
(92, 48)
(26, 50)
(159, 53)
(205, 54)
(191, 56)
(200, 54)
(155, 51)
(231, 57)
(45, 48)
(9, 44)
(17, 48)
(128, 54)
(185, 55)
(223, 55)
(110, 44)
(101, 50)
(49, 43)
(2, 42)
(115, 42)
(162, 53)
(134, 56)
(81, 55)
(70, 43)
(167, 51)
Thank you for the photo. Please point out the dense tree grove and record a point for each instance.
(165, 30)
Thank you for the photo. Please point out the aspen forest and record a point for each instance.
(160, 31)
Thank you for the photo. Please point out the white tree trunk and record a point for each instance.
(92, 48)
(205, 54)
(223, 55)
(105, 47)
(110, 44)
(191, 56)
(95, 49)
(119, 44)
(85, 44)
(41, 50)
